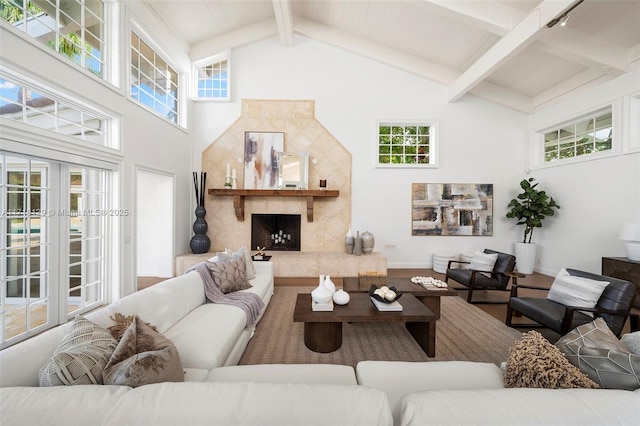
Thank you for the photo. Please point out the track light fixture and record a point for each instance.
(562, 19)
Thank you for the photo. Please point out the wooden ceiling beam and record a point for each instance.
(515, 41)
(284, 20)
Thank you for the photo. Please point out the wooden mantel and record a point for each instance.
(240, 194)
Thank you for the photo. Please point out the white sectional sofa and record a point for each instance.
(211, 338)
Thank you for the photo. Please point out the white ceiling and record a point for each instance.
(502, 51)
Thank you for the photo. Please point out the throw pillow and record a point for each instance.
(600, 355)
(576, 291)
(482, 261)
(632, 341)
(122, 323)
(534, 362)
(143, 356)
(251, 269)
(81, 356)
(230, 275)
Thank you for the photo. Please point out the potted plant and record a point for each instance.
(530, 208)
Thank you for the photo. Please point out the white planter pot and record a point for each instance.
(525, 257)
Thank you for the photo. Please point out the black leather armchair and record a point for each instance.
(498, 280)
(613, 306)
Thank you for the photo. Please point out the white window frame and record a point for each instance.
(433, 143)
(108, 122)
(181, 115)
(104, 38)
(212, 60)
(537, 142)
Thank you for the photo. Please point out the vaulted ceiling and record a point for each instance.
(500, 50)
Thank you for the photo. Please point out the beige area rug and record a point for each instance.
(464, 333)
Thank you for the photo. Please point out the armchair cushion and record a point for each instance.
(597, 352)
(577, 291)
(483, 261)
(632, 341)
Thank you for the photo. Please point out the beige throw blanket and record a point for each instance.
(249, 302)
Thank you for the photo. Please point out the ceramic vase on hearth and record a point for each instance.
(349, 242)
(368, 241)
(200, 242)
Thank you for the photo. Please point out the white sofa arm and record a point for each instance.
(263, 267)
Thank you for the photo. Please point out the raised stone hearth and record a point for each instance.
(320, 237)
(307, 264)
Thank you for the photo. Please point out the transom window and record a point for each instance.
(213, 79)
(73, 28)
(406, 144)
(33, 105)
(153, 82)
(584, 137)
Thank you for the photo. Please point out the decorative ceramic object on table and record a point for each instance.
(368, 241)
(321, 294)
(341, 297)
(329, 284)
(384, 294)
(357, 247)
(349, 242)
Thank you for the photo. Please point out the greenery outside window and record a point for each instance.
(212, 78)
(589, 135)
(153, 82)
(406, 144)
(73, 28)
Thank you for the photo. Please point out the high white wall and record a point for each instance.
(597, 196)
(480, 142)
(146, 140)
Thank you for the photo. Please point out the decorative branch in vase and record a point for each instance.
(200, 242)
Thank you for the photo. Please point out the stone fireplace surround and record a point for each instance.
(322, 249)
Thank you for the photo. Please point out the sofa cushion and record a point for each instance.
(250, 268)
(600, 355)
(262, 404)
(143, 356)
(81, 356)
(570, 290)
(285, 373)
(632, 341)
(521, 407)
(162, 304)
(399, 378)
(62, 405)
(533, 362)
(229, 275)
(122, 324)
(207, 335)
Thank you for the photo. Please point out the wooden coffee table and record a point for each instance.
(323, 330)
(430, 297)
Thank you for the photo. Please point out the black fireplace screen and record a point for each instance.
(276, 231)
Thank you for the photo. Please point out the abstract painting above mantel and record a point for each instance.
(452, 209)
(261, 159)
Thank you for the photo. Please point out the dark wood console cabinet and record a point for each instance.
(625, 269)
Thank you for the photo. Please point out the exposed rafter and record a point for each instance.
(509, 45)
(284, 20)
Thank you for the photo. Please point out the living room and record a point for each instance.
(353, 85)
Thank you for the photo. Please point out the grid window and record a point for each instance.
(46, 237)
(213, 80)
(153, 82)
(29, 104)
(73, 28)
(410, 144)
(584, 137)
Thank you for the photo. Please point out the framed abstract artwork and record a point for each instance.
(452, 209)
(261, 159)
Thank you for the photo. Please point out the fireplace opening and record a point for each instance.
(276, 231)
